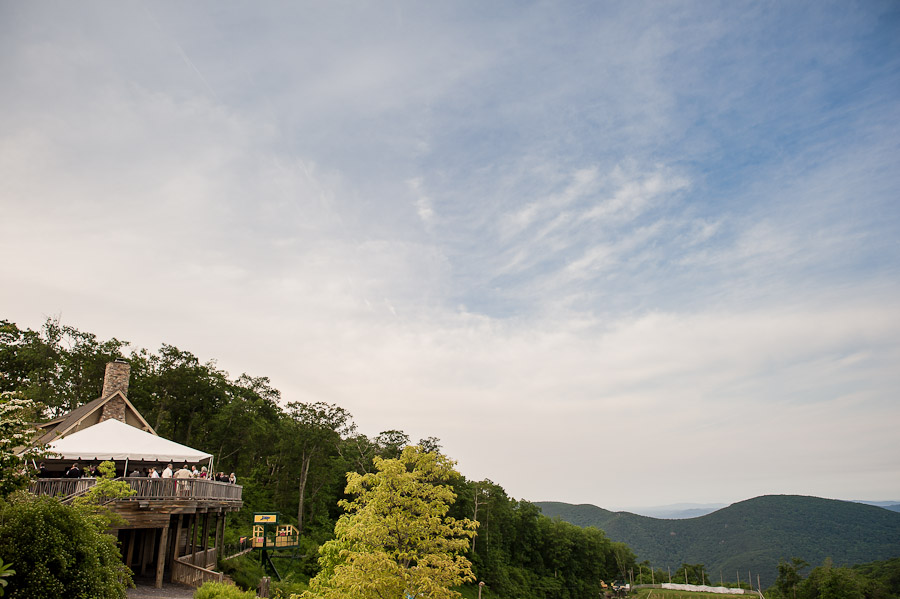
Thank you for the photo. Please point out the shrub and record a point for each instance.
(244, 571)
(59, 551)
(219, 590)
(287, 588)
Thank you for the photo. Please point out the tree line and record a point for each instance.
(295, 457)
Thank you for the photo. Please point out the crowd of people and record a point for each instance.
(91, 471)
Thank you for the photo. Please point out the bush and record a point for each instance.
(219, 590)
(244, 571)
(287, 588)
(59, 551)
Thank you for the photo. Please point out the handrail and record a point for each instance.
(145, 488)
(65, 488)
(187, 573)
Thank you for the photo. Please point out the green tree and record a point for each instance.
(317, 429)
(395, 539)
(60, 551)
(789, 577)
(15, 433)
(391, 443)
(829, 582)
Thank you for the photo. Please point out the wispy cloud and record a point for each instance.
(530, 230)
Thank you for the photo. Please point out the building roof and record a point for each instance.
(87, 415)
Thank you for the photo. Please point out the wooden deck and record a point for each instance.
(168, 522)
(146, 489)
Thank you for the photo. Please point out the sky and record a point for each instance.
(618, 253)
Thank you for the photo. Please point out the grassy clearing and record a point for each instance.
(667, 594)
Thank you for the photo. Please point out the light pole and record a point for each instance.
(480, 584)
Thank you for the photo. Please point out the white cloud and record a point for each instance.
(625, 248)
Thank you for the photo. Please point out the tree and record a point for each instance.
(829, 582)
(318, 428)
(15, 433)
(395, 539)
(391, 443)
(789, 577)
(59, 551)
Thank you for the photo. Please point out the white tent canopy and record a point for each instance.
(115, 440)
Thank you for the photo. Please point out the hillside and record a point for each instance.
(750, 535)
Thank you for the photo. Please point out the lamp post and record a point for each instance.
(480, 584)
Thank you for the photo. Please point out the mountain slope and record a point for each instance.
(750, 535)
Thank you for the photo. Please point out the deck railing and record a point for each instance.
(145, 488)
(184, 572)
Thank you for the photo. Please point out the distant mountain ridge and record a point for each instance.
(677, 511)
(750, 535)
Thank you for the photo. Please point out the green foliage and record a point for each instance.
(60, 551)
(829, 582)
(105, 489)
(669, 594)
(750, 535)
(244, 571)
(219, 590)
(294, 460)
(5, 572)
(286, 588)
(59, 366)
(396, 538)
(884, 577)
(16, 471)
(789, 577)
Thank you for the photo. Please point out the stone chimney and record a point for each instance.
(116, 379)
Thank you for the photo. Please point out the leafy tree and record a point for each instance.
(15, 471)
(391, 443)
(60, 551)
(690, 574)
(28, 363)
(829, 582)
(317, 431)
(396, 539)
(789, 577)
(430, 444)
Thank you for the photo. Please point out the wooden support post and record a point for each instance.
(194, 539)
(161, 556)
(220, 534)
(175, 551)
(205, 535)
(150, 545)
(130, 554)
(143, 551)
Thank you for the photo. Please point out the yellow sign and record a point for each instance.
(266, 518)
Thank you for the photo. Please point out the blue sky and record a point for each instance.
(651, 243)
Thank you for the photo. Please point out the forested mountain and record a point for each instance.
(750, 535)
(293, 457)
